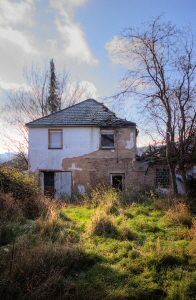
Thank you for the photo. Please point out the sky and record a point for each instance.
(78, 35)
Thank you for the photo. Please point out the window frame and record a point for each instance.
(49, 138)
(112, 131)
(159, 184)
(118, 174)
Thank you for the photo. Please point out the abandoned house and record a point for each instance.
(77, 148)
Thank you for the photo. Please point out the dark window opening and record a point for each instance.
(107, 139)
(49, 184)
(162, 178)
(117, 181)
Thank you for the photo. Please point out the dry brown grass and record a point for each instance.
(41, 271)
(180, 213)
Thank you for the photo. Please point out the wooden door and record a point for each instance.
(62, 184)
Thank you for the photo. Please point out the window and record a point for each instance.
(162, 178)
(107, 139)
(55, 138)
(117, 181)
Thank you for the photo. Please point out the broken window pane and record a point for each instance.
(107, 139)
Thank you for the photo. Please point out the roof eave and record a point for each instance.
(79, 125)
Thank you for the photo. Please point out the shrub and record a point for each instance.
(11, 209)
(20, 185)
(19, 195)
(7, 233)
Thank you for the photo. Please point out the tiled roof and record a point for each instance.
(86, 113)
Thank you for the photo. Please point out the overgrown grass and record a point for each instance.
(112, 247)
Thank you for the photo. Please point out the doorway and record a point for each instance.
(49, 184)
(56, 184)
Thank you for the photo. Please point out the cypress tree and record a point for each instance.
(53, 101)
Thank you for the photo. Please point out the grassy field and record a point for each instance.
(110, 247)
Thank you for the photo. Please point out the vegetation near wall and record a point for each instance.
(21, 192)
(113, 246)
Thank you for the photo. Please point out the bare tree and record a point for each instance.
(162, 76)
(31, 102)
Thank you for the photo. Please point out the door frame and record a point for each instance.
(41, 178)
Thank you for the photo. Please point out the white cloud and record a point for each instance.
(81, 91)
(20, 46)
(119, 52)
(91, 90)
(66, 7)
(18, 38)
(72, 35)
(13, 86)
(14, 13)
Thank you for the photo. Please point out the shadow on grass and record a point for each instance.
(104, 282)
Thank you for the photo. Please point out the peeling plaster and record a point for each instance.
(81, 189)
(130, 143)
(74, 168)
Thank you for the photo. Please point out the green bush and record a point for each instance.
(19, 195)
(18, 184)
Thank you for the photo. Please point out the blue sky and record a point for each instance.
(76, 34)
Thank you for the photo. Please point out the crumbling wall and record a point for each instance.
(94, 168)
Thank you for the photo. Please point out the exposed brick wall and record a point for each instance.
(94, 168)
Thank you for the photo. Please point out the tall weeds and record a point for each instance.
(41, 271)
(180, 213)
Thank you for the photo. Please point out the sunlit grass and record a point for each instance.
(108, 248)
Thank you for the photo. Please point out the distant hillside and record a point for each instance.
(6, 156)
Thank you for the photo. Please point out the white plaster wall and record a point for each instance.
(179, 180)
(76, 142)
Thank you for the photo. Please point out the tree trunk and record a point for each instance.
(170, 152)
(173, 179)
